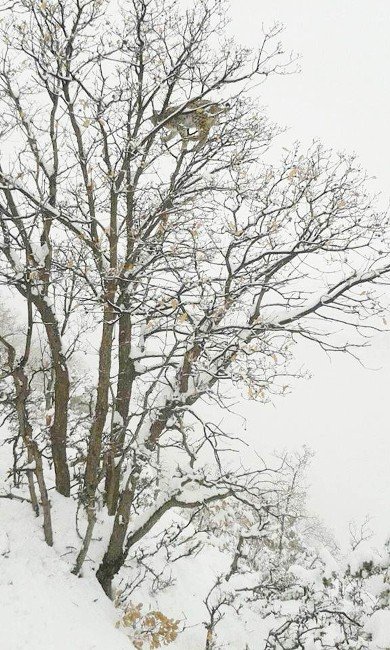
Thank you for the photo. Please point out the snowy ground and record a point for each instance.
(43, 606)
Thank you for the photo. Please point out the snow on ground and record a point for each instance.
(379, 628)
(42, 605)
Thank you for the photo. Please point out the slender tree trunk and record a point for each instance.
(101, 409)
(126, 375)
(33, 453)
(21, 385)
(92, 471)
(59, 427)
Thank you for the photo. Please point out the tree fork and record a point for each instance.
(114, 557)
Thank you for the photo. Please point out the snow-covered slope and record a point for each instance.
(43, 606)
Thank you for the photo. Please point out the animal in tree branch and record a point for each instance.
(193, 122)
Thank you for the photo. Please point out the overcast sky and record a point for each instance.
(342, 97)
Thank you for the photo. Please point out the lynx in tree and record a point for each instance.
(199, 115)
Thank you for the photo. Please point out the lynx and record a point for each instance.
(199, 116)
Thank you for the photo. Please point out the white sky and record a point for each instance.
(342, 97)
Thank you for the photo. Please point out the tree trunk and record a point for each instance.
(114, 557)
(59, 427)
(92, 470)
(33, 453)
(126, 375)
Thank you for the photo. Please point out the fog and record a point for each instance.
(341, 96)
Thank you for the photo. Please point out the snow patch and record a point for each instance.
(43, 606)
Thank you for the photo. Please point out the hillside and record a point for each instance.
(43, 606)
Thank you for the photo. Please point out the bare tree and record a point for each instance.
(167, 242)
